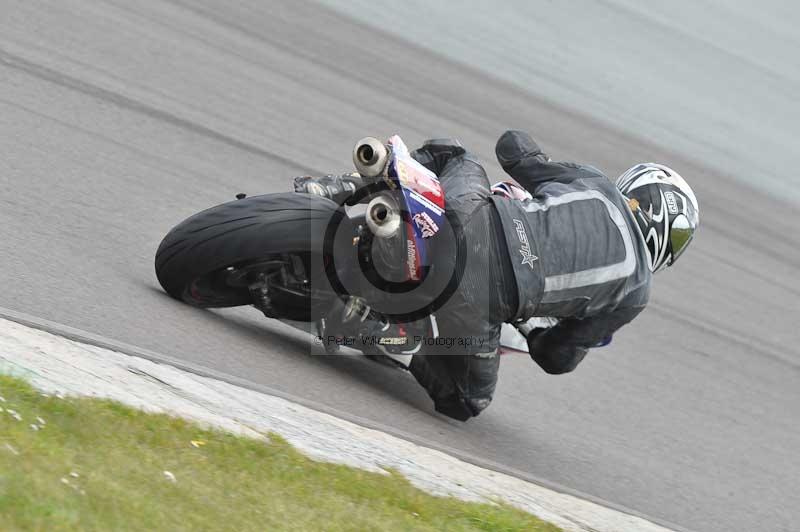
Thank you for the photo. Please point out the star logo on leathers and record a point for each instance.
(528, 258)
(524, 245)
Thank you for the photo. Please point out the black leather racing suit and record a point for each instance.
(572, 252)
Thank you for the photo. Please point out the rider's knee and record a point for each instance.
(461, 386)
(461, 408)
(479, 404)
(453, 407)
(478, 388)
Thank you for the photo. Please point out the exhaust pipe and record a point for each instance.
(383, 216)
(370, 157)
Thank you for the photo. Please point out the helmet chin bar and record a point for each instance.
(664, 265)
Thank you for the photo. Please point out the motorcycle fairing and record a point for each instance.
(423, 210)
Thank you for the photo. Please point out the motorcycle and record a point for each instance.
(302, 258)
(293, 255)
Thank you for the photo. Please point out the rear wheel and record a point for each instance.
(214, 258)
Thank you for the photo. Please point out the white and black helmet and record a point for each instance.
(664, 207)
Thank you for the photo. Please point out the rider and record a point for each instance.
(571, 245)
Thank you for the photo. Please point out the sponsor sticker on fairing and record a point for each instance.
(425, 224)
(411, 259)
(420, 179)
(425, 202)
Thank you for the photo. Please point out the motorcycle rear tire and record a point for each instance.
(192, 259)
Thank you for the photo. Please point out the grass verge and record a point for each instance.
(99, 465)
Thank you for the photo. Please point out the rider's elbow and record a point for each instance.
(560, 362)
(558, 369)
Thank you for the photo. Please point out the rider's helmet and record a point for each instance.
(665, 209)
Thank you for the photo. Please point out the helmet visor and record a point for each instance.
(680, 234)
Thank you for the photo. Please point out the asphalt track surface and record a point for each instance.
(116, 122)
(712, 78)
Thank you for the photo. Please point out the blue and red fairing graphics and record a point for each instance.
(423, 212)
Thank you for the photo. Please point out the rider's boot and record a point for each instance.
(349, 317)
(434, 154)
(514, 146)
(335, 187)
